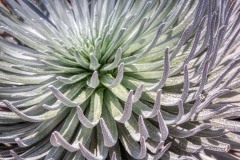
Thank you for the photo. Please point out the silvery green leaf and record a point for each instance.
(119, 79)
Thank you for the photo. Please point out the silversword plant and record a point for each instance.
(119, 79)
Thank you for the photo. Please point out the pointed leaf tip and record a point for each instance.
(166, 70)
(20, 142)
(83, 119)
(94, 64)
(142, 128)
(138, 93)
(93, 82)
(61, 141)
(114, 156)
(109, 141)
(127, 108)
(87, 154)
(156, 107)
(21, 114)
(162, 151)
(61, 97)
(119, 76)
(163, 127)
(53, 140)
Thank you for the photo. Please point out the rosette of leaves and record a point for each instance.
(119, 79)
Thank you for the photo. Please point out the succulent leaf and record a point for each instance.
(119, 79)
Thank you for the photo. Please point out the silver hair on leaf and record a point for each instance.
(119, 79)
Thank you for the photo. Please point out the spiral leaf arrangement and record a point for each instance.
(119, 79)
